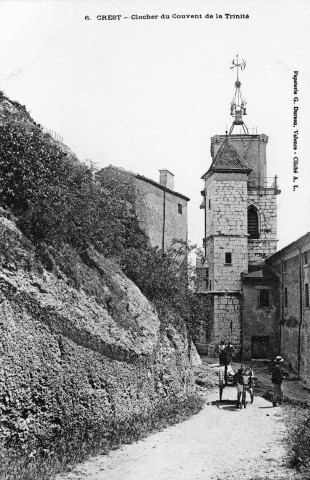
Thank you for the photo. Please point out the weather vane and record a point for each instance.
(238, 104)
(237, 65)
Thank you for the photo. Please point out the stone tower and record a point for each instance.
(240, 219)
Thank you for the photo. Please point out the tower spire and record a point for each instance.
(238, 104)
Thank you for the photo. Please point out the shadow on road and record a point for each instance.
(222, 402)
(227, 405)
(231, 408)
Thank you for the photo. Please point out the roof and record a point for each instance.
(256, 274)
(299, 243)
(227, 160)
(148, 180)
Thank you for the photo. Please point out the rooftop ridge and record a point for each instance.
(148, 180)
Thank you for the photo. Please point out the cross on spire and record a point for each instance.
(238, 104)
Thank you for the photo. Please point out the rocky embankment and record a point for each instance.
(80, 359)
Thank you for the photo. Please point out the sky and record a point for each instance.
(147, 94)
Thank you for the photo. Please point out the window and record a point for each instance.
(307, 295)
(253, 222)
(306, 258)
(285, 266)
(264, 298)
(179, 208)
(285, 297)
(209, 204)
(228, 257)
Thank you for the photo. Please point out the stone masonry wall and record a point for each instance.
(258, 321)
(227, 323)
(162, 215)
(226, 221)
(296, 310)
(305, 348)
(227, 277)
(264, 200)
(226, 213)
(150, 205)
(259, 250)
(305, 327)
(210, 262)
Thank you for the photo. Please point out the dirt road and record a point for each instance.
(220, 443)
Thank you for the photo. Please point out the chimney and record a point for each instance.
(166, 179)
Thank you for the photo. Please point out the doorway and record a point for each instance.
(260, 347)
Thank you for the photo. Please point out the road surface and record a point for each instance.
(221, 442)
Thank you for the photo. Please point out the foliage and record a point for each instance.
(59, 200)
(163, 278)
(298, 439)
(58, 203)
(78, 445)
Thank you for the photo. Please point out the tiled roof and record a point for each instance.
(300, 244)
(145, 179)
(162, 187)
(227, 158)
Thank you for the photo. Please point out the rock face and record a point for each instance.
(79, 358)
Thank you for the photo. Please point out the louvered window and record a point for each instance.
(253, 222)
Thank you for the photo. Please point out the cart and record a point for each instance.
(227, 379)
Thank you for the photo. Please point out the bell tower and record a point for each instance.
(240, 217)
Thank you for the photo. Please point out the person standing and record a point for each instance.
(229, 351)
(276, 379)
(221, 374)
(222, 353)
(223, 359)
(239, 385)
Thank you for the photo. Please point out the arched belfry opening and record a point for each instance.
(253, 222)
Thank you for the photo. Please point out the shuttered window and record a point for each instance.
(253, 222)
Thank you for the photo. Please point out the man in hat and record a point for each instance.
(276, 378)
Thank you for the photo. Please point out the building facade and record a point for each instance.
(291, 266)
(162, 212)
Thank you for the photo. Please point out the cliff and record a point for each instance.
(79, 362)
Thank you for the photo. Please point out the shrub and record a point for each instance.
(77, 445)
(298, 439)
(163, 279)
(57, 199)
